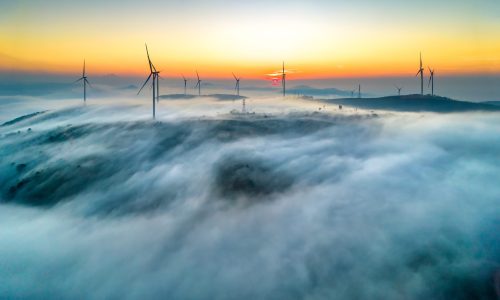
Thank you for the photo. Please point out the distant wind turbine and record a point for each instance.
(399, 90)
(352, 93)
(359, 91)
(185, 84)
(421, 72)
(283, 80)
(237, 86)
(431, 80)
(85, 82)
(153, 73)
(198, 84)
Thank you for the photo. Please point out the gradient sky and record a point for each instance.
(316, 38)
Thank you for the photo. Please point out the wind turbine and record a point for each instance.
(85, 82)
(153, 73)
(352, 93)
(157, 77)
(421, 72)
(237, 86)
(359, 91)
(399, 90)
(431, 80)
(198, 84)
(185, 84)
(283, 80)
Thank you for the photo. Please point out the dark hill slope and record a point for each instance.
(414, 103)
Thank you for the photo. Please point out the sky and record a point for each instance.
(317, 39)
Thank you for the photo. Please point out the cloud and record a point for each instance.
(307, 90)
(291, 206)
(30, 89)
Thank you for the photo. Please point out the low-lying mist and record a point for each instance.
(101, 202)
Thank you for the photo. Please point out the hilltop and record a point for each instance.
(414, 103)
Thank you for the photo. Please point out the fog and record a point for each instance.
(297, 200)
(59, 86)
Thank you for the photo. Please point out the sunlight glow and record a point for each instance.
(316, 39)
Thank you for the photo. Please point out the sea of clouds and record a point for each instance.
(293, 202)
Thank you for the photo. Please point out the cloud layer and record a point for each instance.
(292, 206)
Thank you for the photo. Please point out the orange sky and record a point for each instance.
(315, 38)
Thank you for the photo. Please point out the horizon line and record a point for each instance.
(229, 76)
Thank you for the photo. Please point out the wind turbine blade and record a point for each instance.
(83, 73)
(144, 84)
(77, 80)
(235, 78)
(151, 67)
(419, 71)
(88, 83)
(147, 52)
(430, 79)
(197, 75)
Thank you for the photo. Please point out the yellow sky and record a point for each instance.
(250, 40)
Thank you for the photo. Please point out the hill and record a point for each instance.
(496, 103)
(414, 103)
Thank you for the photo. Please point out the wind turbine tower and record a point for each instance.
(237, 86)
(421, 72)
(85, 82)
(153, 73)
(198, 84)
(431, 80)
(399, 90)
(157, 86)
(359, 91)
(283, 80)
(185, 84)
